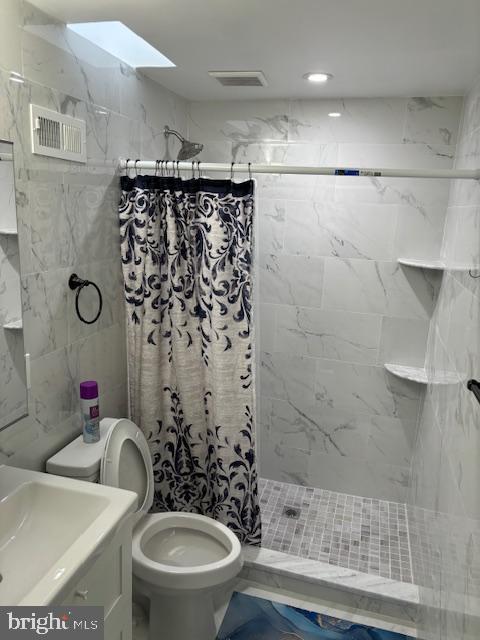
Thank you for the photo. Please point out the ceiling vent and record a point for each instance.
(239, 78)
(58, 136)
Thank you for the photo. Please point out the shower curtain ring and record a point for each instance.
(178, 169)
(126, 166)
(198, 168)
(249, 170)
(156, 167)
(193, 170)
(136, 170)
(231, 171)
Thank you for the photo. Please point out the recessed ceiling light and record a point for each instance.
(120, 41)
(334, 114)
(318, 76)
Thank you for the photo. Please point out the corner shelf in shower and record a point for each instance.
(436, 265)
(14, 325)
(419, 374)
(8, 232)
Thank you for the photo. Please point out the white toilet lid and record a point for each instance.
(127, 463)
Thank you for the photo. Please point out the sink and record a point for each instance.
(51, 528)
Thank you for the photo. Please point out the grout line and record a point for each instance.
(409, 545)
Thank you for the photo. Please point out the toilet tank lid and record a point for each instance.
(79, 459)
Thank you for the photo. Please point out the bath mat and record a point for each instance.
(252, 618)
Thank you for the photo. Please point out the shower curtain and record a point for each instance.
(187, 267)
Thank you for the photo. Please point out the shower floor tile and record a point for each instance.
(350, 531)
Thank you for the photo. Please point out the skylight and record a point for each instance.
(121, 42)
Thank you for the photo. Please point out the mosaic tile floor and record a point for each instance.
(350, 531)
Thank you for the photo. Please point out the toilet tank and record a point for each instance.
(81, 460)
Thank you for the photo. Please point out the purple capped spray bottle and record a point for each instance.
(90, 411)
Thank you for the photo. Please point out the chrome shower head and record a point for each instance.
(188, 149)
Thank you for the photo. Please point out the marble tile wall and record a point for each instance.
(13, 392)
(444, 510)
(67, 216)
(333, 304)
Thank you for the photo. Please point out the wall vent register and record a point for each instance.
(57, 135)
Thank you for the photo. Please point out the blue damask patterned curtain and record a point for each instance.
(187, 266)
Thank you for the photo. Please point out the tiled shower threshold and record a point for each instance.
(335, 540)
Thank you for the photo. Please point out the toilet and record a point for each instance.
(179, 559)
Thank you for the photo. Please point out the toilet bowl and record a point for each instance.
(178, 559)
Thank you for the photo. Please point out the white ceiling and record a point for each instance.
(373, 47)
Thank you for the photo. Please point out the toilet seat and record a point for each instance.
(159, 573)
(127, 464)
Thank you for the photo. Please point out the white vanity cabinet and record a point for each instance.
(108, 583)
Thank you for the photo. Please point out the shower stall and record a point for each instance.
(350, 295)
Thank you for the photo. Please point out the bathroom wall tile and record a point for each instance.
(346, 230)
(10, 50)
(46, 198)
(285, 465)
(239, 121)
(363, 121)
(391, 440)
(56, 57)
(271, 225)
(267, 327)
(311, 427)
(352, 337)
(45, 301)
(13, 396)
(54, 379)
(101, 357)
(444, 474)
(289, 378)
(370, 479)
(145, 101)
(111, 136)
(293, 186)
(12, 106)
(378, 287)
(433, 120)
(461, 246)
(419, 232)
(290, 279)
(91, 201)
(403, 341)
(471, 115)
(365, 390)
(460, 336)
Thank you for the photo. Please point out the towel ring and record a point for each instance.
(76, 283)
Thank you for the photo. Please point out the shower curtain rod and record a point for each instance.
(150, 165)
